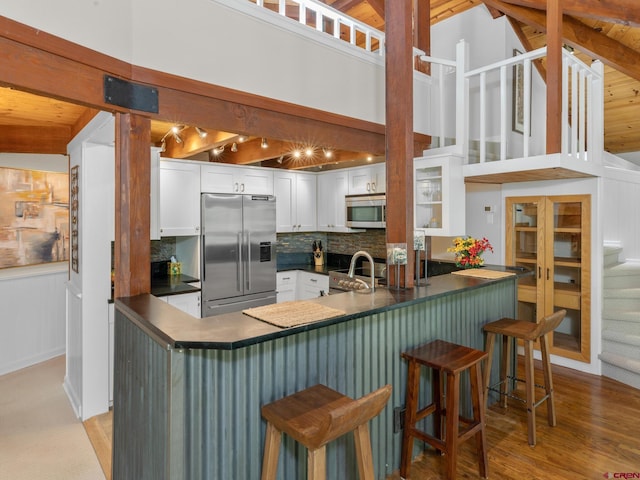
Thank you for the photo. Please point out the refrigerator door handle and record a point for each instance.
(239, 264)
(248, 261)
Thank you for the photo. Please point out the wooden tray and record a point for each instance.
(482, 273)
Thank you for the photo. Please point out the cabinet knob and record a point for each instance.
(368, 187)
(197, 228)
(242, 187)
(373, 186)
(235, 189)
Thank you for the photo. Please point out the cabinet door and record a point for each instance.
(257, 181)
(187, 302)
(525, 244)
(286, 286)
(551, 236)
(360, 181)
(379, 178)
(218, 179)
(439, 196)
(568, 272)
(284, 185)
(311, 285)
(179, 198)
(305, 203)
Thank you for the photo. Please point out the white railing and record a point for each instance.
(328, 20)
(484, 96)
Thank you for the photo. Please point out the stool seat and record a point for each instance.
(449, 359)
(316, 416)
(528, 332)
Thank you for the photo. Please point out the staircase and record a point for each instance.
(621, 319)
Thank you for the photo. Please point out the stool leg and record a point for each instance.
(411, 408)
(479, 416)
(491, 340)
(317, 463)
(451, 430)
(548, 380)
(505, 369)
(437, 385)
(271, 452)
(363, 452)
(530, 386)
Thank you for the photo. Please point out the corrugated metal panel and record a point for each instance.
(222, 391)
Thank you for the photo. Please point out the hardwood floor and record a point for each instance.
(597, 434)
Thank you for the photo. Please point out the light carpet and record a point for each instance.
(40, 436)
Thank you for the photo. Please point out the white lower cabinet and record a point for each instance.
(187, 302)
(286, 286)
(301, 285)
(312, 285)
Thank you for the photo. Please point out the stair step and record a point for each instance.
(611, 255)
(632, 292)
(624, 315)
(620, 303)
(621, 281)
(629, 268)
(622, 326)
(624, 345)
(620, 368)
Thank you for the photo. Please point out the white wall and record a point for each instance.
(32, 298)
(490, 40)
(620, 200)
(102, 25)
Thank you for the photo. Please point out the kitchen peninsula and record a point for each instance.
(188, 392)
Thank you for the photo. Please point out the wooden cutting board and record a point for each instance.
(482, 273)
(291, 314)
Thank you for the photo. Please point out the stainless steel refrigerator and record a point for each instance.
(238, 261)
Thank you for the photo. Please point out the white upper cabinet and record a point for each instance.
(367, 180)
(332, 188)
(179, 198)
(295, 201)
(236, 179)
(439, 195)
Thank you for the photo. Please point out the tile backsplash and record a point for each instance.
(373, 241)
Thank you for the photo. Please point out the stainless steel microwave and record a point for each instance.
(366, 211)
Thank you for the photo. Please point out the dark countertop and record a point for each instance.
(173, 285)
(177, 329)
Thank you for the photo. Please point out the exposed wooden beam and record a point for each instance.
(625, 12)
(344, 5)
(315, 160)
(422, 32)
(25, 139)
(580, 36)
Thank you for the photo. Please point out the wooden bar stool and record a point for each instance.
(528, 332)
(444, 357)
(315, 417)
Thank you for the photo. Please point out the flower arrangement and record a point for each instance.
(469, 251)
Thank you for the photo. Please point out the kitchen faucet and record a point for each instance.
(352, 267)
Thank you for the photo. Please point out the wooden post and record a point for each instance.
(399, 132)
(133, 177)
(554, 76)
(422, 32)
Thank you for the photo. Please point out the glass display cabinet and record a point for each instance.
(551, 236)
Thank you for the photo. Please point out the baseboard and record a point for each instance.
(74, 398)
(27, 362)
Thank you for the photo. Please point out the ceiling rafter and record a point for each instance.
(605, 10)
(579, 36)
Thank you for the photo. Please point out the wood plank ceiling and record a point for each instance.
(609, 31)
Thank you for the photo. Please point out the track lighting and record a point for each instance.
(308, 152)
(280, 159)
(327, 153)
(264, 143)
(201, 132)
(234, 147)
(217, 151)
(177, 137)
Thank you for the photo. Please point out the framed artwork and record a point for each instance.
(34, 217)
(517, 105)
